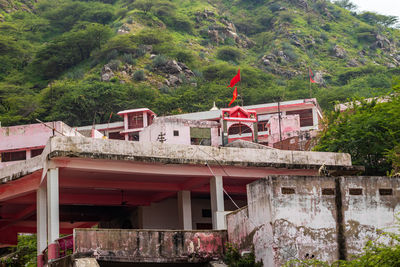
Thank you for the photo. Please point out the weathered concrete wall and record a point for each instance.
(238, 227)
(327, 218)
(71, 261)
(150, 246)
(374, 210)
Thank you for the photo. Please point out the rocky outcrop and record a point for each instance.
(205, 15)
(381, 42)
(9, 6)
(175, 72)
(124, 29)
(339, 52)
(106, 73)
(273, 64)
(353, 63)
(219, 33)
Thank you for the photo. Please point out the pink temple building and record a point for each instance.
(297, 124)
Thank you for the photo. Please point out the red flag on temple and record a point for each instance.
(235, 79)
(234, 96)
(311, 76)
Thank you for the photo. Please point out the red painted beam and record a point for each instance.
(27, 212)
(233, 189)
(195, 182)
(99, 198)
(70, 182)
(161, 196)
(109, 199)
(20, 187)
(178, 170)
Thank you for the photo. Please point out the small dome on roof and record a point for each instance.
(214, 107)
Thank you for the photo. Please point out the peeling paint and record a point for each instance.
(150, 246)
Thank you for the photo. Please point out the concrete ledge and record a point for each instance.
(191, 154)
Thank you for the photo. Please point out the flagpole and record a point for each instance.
(310, 89)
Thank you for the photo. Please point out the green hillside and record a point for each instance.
(67, 60)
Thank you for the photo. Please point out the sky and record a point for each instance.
(385, 7)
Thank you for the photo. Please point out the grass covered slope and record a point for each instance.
(67, 60)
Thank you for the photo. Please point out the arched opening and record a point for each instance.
(239, 129)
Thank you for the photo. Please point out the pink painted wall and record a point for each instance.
(168, 126)
(290, 126)
(151, 133)
(31, 135)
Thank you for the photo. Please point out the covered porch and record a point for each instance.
(81, 182)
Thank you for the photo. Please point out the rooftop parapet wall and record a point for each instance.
(82, 147)
(191, 154)
(151, 246)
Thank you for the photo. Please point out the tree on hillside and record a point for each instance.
(378, 19)
(346, 4)
(368, 132)
(144, 5)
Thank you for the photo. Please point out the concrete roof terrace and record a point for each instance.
(92, 172)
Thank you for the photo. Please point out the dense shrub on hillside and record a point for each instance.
(229, 54)
(69, 49)
(64, 15)
(120, 44)
(139, 75)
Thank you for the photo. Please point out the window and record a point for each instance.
(306, 116)
(115, 135)
(176, 133)
(13, 156)
(385, 191)
(36, 152)
(287, 190)
(355, 191)
(135, 121)
(262, 126)
(239, 129)
(328, 191)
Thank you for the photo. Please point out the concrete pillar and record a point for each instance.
(217, 203)
(41, 223)
(315, 117)
(28, 154)
(145, 121)
(185, 210)
(125, 121)
(255, 132)
(53, 218)
(126, 127)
